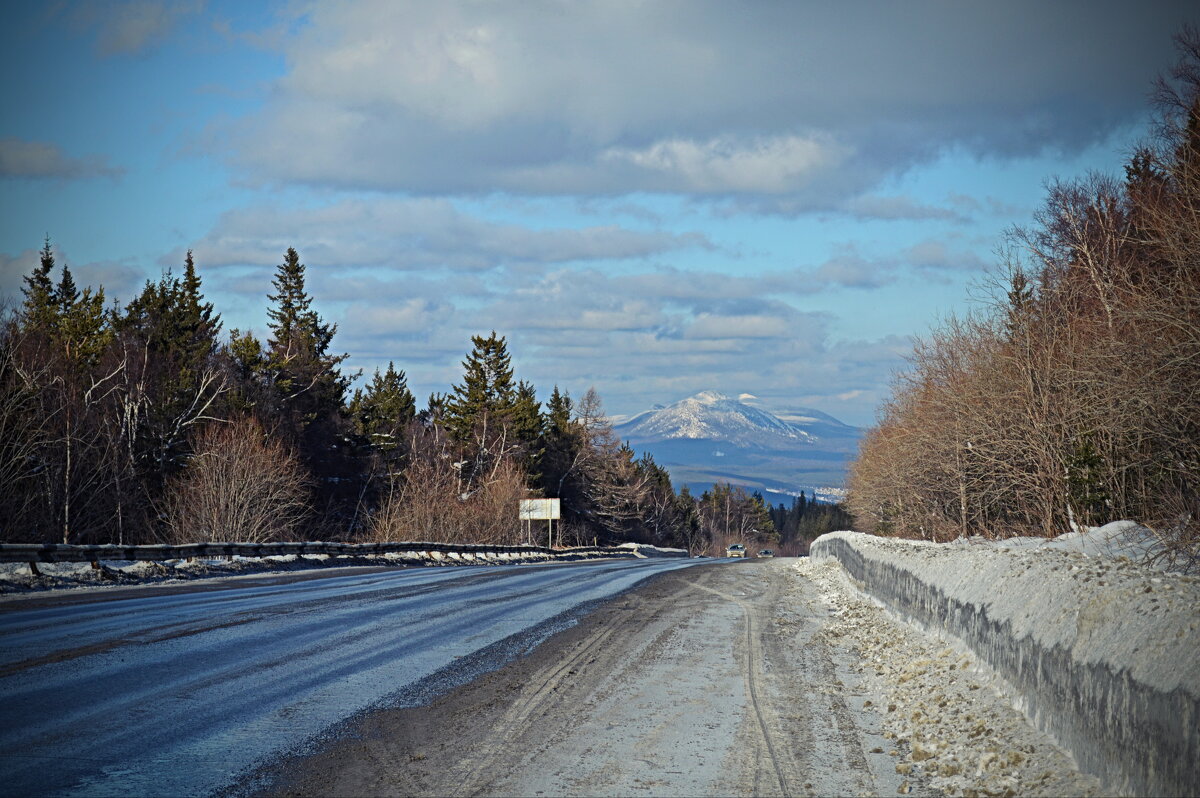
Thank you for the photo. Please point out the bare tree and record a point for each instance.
(240, 486)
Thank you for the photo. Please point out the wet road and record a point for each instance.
(184, 694)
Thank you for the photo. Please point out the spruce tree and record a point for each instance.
(305, 375)
(561, 443)
(528, 427)
(83, 330)
(178, 378)
(486, 400)
(40, 310)
(199, 324)
(558, 414)
(384, 409)
(306, 392)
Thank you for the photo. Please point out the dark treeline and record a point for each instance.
(149, 423)
(1072, 399)
(806, 520)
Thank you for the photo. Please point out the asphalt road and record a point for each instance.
(188, 693)
(718, 680)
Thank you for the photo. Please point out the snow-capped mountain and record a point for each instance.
(713, 437)
(714, 416)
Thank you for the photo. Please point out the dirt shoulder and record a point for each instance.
(712, 680)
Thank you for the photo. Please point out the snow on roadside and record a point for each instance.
(17, 577)
(1116, 540)
(951, 718)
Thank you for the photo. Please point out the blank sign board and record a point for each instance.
(540, 509)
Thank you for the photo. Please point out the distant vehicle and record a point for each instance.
(766, 553)
(736, 550)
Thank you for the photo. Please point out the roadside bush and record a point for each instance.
(241, 485)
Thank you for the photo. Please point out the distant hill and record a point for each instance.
(711, 437)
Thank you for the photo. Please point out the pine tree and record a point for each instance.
(305, 393)
(249, 380)
(485, 402)
(83, 331)
(292, 303)
(178, 379)
(558, 413)
(199, 324)
(384, 409)
(40, 311)
(528, 426)
(305, 375)
(560, 445)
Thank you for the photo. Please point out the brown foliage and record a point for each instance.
(241, 485)
(1074, 399)
(432, 500)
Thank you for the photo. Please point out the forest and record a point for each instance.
(147, 423)
(1069, 398)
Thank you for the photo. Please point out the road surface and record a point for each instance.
(761, 677)
(183, 693)
(705, 681)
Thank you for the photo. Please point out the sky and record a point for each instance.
(651, 198)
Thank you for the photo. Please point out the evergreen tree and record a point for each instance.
(558, 414)
(384, 409)
(40, 311)
(562, 443)
(176, 379)
(434, 413)
(485, 403)
(308, 385)
(249, 380)
(305, 393)
(528, 426)
(83, 331)
(293, 306)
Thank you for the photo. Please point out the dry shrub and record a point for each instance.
(240, 486)
(431, 501)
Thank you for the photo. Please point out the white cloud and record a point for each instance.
(416, 234)
(936, 255)
(801, 102)
(731, 165)
(900, 208)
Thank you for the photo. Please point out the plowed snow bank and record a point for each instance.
(1100, 652)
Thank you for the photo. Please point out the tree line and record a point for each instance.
(1070, 399)
(150, 423)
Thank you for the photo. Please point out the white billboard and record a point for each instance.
(541, 509)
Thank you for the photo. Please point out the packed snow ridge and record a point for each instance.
(715, 416)
(1099, 650)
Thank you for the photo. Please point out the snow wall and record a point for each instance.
(1103, 654)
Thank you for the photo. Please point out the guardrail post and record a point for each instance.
(33, 569)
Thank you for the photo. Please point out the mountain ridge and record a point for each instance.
(712, 437)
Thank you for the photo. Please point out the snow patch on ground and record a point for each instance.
(949, 717)
(1119, 539)
(18, 578)
(1101, 649)
(1082, 594)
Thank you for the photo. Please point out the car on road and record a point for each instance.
(766, 553)
(736, 550)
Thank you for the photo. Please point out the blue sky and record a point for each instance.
(652, 198)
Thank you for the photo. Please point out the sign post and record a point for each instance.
(542, 510)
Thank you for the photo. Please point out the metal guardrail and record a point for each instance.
(61, 552)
